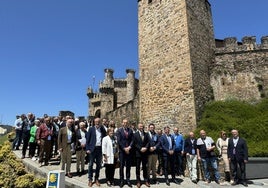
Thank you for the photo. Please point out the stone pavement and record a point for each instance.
(81, 182)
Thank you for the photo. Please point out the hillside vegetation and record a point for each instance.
(251, 120)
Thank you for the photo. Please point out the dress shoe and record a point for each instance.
(155, 181)
(147, 184)
(90, 183)
(194, 181)
(129, 184)
(234, 183)
(109, 184)
(97, 183)
(138, 184)
(167, 182)
(176, 181)
(245, 184)
(69, 175)
(208, 181)
(121, 184)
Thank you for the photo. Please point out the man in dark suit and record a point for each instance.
(93, 148)
(168, 146)
(80, 147)
(125, 142)
(153, 152)
(141, 143)
(238, 155)
(190, 148)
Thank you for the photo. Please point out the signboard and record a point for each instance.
(56, 179)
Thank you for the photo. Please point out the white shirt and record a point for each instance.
(98, 137)
(169, 141)
(235, 140)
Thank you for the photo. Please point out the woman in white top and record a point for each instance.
(222, 145)
(110, 157)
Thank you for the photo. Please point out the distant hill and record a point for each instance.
(9, 128)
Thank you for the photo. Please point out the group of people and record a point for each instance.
(113, 145)
(233, 151)
(156, 151)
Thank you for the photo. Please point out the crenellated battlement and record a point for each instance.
(230, 44)
(91, 94)
(96, 97)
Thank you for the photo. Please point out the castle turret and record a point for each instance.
(130, 84)
(107, 85)
(108, 77)
(90, 92)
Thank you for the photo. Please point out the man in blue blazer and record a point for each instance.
(238, 156)
(93, 148)
(168, 146)
(125, 142)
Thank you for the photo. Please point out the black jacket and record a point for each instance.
(189, 146)
(241, 150)
(139, 143)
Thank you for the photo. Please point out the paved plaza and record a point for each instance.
(81, 182)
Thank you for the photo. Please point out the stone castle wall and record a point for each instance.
(240, 69)
(173, 37)
(128, 110)
(202, 45)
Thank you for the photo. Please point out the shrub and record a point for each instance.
(13, 173)
(250, 119)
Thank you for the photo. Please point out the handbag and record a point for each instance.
(117, 163)
(116, 155)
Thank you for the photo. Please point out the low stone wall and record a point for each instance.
(257, 168)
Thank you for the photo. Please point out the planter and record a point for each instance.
(256, 168)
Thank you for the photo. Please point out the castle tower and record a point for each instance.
(130, 84)
(176, 44)
(106, 89)
(108, 79)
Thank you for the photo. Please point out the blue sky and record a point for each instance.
(51, 50)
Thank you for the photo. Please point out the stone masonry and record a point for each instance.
(176, 45)
(241, 69)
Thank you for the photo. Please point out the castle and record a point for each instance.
(181, 68)
(114, 96)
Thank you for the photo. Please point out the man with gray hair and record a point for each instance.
(206, 154)
(238, 156)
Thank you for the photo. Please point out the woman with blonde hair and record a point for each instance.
(222, 145)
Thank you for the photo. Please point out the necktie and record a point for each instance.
(126, 133)
(142, 136)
